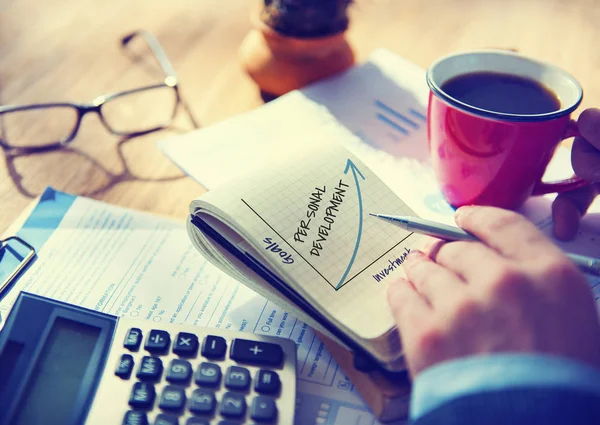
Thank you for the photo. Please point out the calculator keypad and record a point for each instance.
(150, 369)
(172, 398)
(162, 419)
(135, 417)
(263, 409)
(188, 379)
(133, 339)
(208, 374)
(197, 421)
(237, 378)
(125, 366)
(180, 371)
(202, 401)
(157, 342)
(267, 382)
(214, 347)
(254, 352)
(142, 395)
(233, 405)
(186, 344)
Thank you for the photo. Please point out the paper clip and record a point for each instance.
(24, 259)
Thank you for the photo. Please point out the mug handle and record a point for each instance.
(542, 188)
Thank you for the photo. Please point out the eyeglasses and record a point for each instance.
(124, 113)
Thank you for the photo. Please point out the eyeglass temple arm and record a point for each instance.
(157, 50)
(163, 61)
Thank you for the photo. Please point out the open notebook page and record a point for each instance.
(307, 212)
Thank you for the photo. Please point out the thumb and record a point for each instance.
(585, 159)
(569, 207)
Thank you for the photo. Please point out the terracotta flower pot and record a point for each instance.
(279, 63)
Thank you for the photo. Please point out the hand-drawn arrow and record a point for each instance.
(355, 172)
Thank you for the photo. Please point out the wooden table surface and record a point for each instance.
(57, 50)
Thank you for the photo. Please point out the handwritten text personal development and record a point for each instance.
(327, 223)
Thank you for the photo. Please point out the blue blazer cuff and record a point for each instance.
(469, 375)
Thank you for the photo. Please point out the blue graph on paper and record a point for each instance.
(402, 123)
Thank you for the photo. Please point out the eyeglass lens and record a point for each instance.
(130, 112)
(140, 110)
(38, 126)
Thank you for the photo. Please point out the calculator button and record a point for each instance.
(214, 347)
(255, 352)
(208, 374)
(180, 371)
(263, 409)
(172, 398)
(133, 339)
(133, 417)
(162, 419)
(157, 341)
(237, 378)
(233, 405)
(142, 395)
(186, 344)
(150, 368)
(125, 366)
(202, 401)
(267, 382)
(197, 421)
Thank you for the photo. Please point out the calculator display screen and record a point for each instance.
(54, 387)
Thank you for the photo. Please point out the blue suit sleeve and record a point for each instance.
(507, 387)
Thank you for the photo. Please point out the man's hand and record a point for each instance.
(569, 207)
(513, 292)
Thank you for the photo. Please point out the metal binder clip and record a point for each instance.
(24, 260)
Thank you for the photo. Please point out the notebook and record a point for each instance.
(297, 230)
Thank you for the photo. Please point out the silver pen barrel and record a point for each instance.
(441, 231)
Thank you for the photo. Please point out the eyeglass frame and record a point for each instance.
(170, 81)
(24, 262)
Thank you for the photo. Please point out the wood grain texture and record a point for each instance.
(69, 50)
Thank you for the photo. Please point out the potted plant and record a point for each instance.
(296, 42)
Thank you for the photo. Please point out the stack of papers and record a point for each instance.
(138, 265)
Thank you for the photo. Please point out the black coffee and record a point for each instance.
(504, 93)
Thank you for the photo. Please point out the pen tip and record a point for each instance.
(374, 215)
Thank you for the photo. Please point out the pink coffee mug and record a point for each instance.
(485, 157)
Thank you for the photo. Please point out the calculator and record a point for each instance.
(66, 365)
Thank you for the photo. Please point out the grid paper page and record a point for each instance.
(307, 212)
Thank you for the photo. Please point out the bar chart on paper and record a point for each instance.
(400, 123)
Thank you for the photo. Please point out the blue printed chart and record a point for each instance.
(400, 123)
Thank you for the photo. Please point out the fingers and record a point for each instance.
(569, 207)
(585, 159)
(509, 233)
(472, 261)
(410, 310)
(588, 124)
(433, 282)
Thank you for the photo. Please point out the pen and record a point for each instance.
(451, 233)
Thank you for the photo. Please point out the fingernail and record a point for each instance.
(460, 213)
(415, 255)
